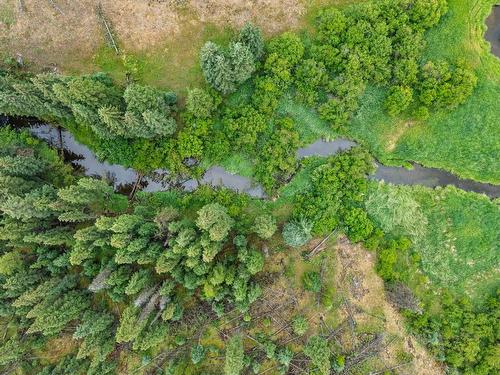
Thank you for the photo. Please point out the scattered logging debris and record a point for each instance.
(56, 7)
(99, 281)
(21, 6)
(106, 26)
(401, 297)
(319, 247)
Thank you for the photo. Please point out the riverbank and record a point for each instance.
(464, 141)
(124, 179)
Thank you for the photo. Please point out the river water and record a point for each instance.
(492, 34)
(124, 178)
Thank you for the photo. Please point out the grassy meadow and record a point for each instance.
(455, 233)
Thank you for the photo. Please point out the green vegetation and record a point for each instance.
(201, 282)
(459, 140)
(453, 232)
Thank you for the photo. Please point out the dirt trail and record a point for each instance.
(393, 138)
(356, 276)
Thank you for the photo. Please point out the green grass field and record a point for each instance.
(454, 232)
(466, 140)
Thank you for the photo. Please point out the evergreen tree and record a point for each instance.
(251, 37)
(130, 327)
(318, 351)
(35, 204)
(297, 233)
(217, 68)
(234, 364)
(96, 333)
(214, 219)
(148, 112)
(113, 118)
(242, 62)
(197, 354)
(49, 318)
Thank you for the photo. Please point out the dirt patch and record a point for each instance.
(357, 279)
(271, 15)
(66, 33)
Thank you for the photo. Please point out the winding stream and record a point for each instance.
(124, 178)
(492, 34)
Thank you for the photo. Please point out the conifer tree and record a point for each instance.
(251, 36)
(214, 219)
(234, 364)
(148, 112)
(242, 62)
(265, 226)
(217, 68)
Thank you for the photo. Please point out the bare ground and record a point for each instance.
(66, 33)
(356, 276)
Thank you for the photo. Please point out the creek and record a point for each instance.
(492, 34)
(124, 179)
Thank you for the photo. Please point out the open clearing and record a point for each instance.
(159, 39)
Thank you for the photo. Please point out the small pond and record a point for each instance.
(492, 34)
(124, 178)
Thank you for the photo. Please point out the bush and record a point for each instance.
(398, 100)
(441, 85)
(463, 334)
(312, 281)
(265, 226)
(287, 47)
(389, 257)
(200, 103)
(297, 233)
(359, 226)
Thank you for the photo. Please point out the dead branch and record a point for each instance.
(318, 248)
(106, 27)
(136, 185)
(367, 350)
(21, 6)
(56, 7)
(389, 369)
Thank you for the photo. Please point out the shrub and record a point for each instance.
(359, 226)
(288, 47)
(312, 281)
(441, 85)
(297, 233)
(265, 226)
(200, 103)
(398, 100)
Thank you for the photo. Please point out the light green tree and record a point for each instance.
(233, 364)
(265, 226)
